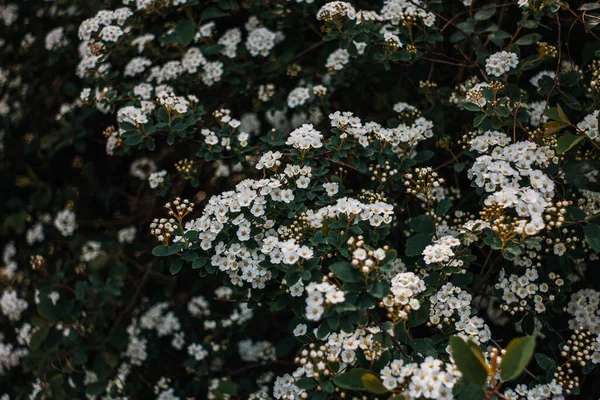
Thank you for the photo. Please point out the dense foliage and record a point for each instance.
(299, 199)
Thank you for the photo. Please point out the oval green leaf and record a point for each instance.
(518, 355)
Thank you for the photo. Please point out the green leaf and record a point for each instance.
(306, 383)
(352, 379)
(471, 107)
(466, 390)
(482, 15)
(529, 39)
(566, 142)
(213, 12)
(228, 387)
(417, 243)
(185, 32)
(530, 24)
(95, 389)
(592, 235)
(518, 355)
(478, 120)
(378, 289)
(346, 271)
(161, 251)
(544, 361)
(589, 6)
(199, 263)
(467, 362)
(499, 35)
(38, 337)
(373, 384)
(421, 224)
(176, 266)
(557, 114)
(444, 206)
(424, 346)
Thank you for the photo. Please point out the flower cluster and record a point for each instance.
(503, 173)
(405, 288)
(432, 379)
(500, 63)
(299, 200)
(452, 305)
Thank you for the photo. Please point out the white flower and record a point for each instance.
(298, 97)
(260, 41)
(300, 330)
(65, 222)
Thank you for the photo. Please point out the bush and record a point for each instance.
(256, 199)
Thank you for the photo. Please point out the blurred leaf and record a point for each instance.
(518, 355)
(467, 362)
(185, 31)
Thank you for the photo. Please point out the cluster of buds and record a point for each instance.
(185, 166)
(595, 68)
(369, 197)
(422, 183)
(407, 113)
(296, 228)
(496, 86)
(95, 48)
(428, 85)
(112, 136)
(315, 360)
(266, 92)
(163, 229)
(578, 351)
(319, 90)
(363, 258)
(179, 208)
(505, 226)
(37, 262)
(109, 131)
(555, 213)
(475, 96)
(458, 97)
(393, 41)
(80, 269)
(411, 49)
(584, 154)
(382, 174)
(539, 137)
(293, 70)
(546, 51)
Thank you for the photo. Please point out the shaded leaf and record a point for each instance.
(352, 379)
(592, 235)
(467, 362)
(346, 271)
(373, 384)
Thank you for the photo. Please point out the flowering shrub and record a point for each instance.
(288, 199)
